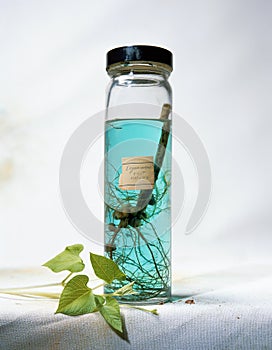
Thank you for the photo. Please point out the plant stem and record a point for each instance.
(145, 195)
(23, 290)
(66, 278)
(153, 311)
(30, 287)
(100, 285)
(33, 294)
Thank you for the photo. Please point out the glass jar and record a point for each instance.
(138, 170)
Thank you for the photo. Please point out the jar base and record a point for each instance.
(136, 300)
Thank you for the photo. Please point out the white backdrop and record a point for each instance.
(52, 77)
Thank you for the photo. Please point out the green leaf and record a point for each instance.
(69, 260)
(76, 298)
(111, 313)
(100, 300)
(106, 269)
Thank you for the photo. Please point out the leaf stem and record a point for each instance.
(33, 294)
(153, 311)
(30, 287)
(22, 290)
(100, 285)
(66, 278)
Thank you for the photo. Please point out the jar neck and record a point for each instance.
(163, 71)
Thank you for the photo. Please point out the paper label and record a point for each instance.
(137, 173)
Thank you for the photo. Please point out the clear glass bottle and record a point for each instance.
(138, 170)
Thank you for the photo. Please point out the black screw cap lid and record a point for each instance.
(139, 53)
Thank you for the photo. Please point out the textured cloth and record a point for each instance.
(231, 311)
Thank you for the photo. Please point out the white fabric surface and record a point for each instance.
(232, 310)
(53, 77)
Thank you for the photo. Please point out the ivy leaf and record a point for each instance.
(100, 300)
(69, 260)
(76, 298)
(110, 310)
(106, 269)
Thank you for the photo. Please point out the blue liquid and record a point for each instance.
(138, 239)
